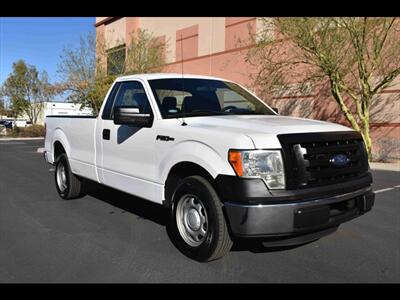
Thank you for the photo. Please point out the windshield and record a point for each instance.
(178, 97)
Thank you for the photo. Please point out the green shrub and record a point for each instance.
(15, 132)
(32, 131)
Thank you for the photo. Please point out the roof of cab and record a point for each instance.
(151, 76)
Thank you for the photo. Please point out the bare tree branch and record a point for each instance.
(356, 56)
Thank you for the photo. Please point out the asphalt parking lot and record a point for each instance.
(109, 236)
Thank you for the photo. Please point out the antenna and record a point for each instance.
(211, 44)
(183, 82)
(182, 55)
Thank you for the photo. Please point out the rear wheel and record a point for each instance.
(197, 224)
(69, 186)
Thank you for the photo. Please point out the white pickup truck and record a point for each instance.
(225, 164)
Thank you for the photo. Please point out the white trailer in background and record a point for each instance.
(54, 108)
(63, 109)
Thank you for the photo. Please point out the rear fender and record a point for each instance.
(59, 136)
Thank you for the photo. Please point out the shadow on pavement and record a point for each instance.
(158, 214)
(135, 205)
(257, 246)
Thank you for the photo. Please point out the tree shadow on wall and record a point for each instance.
(320, 105)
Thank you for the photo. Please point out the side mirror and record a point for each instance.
(131, 116)
(275, 109)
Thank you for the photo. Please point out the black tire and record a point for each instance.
(73, 184)
(216, 242)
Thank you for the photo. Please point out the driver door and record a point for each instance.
(128, 152)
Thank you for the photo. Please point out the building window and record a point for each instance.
(116, 60)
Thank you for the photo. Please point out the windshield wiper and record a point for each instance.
(206, 111)
(198, 113)
(250, 113)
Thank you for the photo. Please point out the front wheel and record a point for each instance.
(197, 224)
(69, 186)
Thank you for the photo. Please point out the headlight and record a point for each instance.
(265, 164)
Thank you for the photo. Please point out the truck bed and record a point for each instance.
(78, 136)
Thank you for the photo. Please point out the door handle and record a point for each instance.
(106, 134)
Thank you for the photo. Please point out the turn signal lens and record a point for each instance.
(235, 158)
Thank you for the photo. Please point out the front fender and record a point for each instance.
(198, 153)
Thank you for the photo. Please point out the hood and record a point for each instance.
(260, 127)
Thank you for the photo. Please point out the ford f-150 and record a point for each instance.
(225, 164)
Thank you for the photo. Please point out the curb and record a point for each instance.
(21, 139)
(385, 166)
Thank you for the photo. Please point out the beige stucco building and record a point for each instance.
(217, 46)
(202, 45)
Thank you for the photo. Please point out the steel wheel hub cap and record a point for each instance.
(192, 220)
(61, 178)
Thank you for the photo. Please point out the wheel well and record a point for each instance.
(58, 150)
(180, 171)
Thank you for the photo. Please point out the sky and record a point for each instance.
(39, 41)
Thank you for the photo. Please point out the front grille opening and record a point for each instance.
(341, 208)
(325, 214)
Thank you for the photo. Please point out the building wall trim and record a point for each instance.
(106, 21)
(240, 22)
(210, 55)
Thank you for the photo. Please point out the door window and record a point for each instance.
(107, 108)
(132, 94)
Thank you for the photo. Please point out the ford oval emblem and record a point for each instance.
(339, 160)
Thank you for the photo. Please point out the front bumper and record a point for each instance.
(297, 218)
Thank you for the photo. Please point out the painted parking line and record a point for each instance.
(40, 150)
(387, 189)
